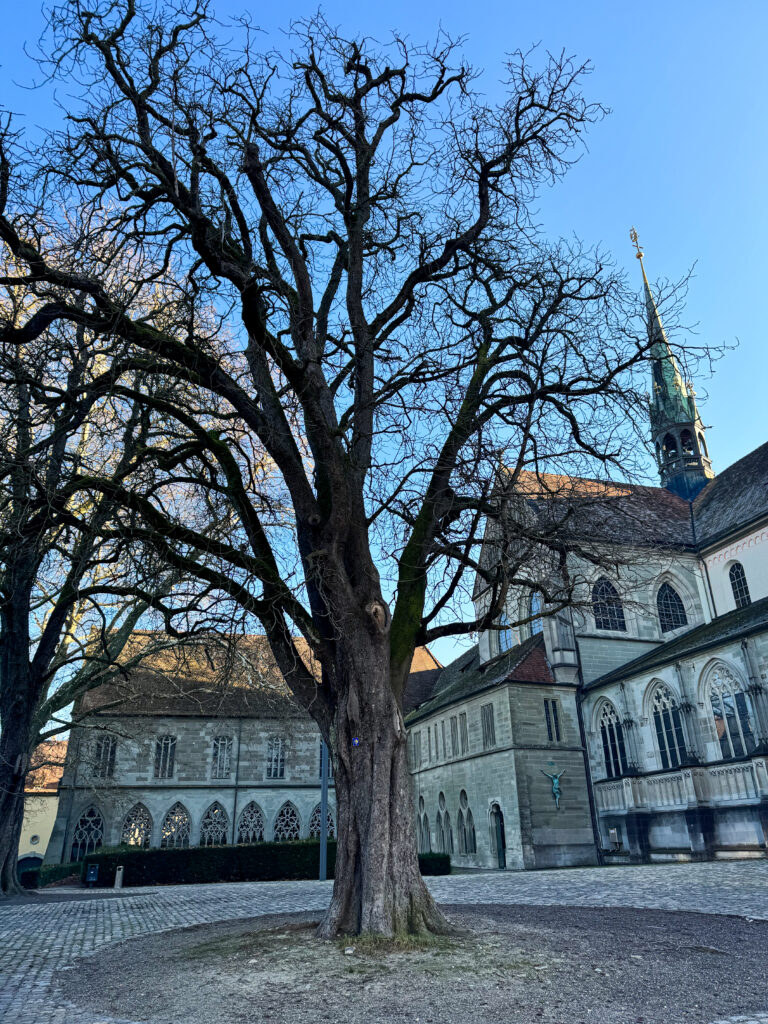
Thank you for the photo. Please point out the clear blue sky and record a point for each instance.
(683, 156)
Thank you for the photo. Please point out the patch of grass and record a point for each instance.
(381, 945)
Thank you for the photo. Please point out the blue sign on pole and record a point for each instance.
(323, 811)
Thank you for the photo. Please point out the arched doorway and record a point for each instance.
(498, 837)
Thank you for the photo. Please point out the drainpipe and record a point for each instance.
(237, 778)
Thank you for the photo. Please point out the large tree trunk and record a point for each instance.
(13, 772)
(378, 887)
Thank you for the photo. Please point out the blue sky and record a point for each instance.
(682, 156)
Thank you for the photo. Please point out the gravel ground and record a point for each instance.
(518, 965)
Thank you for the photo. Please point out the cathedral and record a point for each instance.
(630, 727)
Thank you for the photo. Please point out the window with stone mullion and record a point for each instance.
(739, 585)
(670, 608)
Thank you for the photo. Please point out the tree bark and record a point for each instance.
(378, 888)
(13, 772)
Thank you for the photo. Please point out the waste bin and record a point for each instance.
(119, 876)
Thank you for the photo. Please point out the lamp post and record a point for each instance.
(323, 810)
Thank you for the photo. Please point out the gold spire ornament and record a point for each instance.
(636, 243)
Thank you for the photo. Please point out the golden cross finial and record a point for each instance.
(636, 243)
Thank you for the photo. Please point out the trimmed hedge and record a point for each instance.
(246, 863)
(37, 878)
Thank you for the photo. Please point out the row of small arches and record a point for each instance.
(176, 827)
(670, 448)
(732, 716)
(465, 828)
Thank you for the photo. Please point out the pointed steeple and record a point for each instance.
(678, 433)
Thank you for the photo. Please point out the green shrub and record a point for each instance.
(435, 863)
(247, 863)
(38, 878)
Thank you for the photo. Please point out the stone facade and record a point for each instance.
(192, 780)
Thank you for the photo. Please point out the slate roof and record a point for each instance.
(582, 508)
(214, 680)
(736, 497)
(466, 677)
(722, 630)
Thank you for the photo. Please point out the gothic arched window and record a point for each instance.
(732, 712)
(668, 725)
(703, 445)
(534, 611)
(426, 835)
(669, 447)
(607, 608)
(465, 826)
(739, 585)
(504, 634)
(612, 738)
(671, 609)
(287, 824)
(447, 833)
(88, 835)
(214, 826)
(174, 832)
(315, 821)
(250, 826)
(686, 443)
(137, 827)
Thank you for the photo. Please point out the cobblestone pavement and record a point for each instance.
(40, 936)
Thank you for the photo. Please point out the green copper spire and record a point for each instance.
(677, 430)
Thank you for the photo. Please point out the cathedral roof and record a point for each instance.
(600, 511)
(466, 676)
(213, 677)
(735, 498)
(724, 629)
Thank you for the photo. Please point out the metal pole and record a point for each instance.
(323, 810)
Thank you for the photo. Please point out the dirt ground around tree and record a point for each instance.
(538, 965)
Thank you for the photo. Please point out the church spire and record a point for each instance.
(678, 433)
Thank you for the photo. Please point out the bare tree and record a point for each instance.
(396, 329)
(71, 589)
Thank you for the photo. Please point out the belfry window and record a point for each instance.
(607, 608)
(668, 725)
(612, 737)
(670, 608)
(687, 444)
(669, 447)
(739, 585)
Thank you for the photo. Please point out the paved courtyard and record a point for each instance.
(45, 933)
